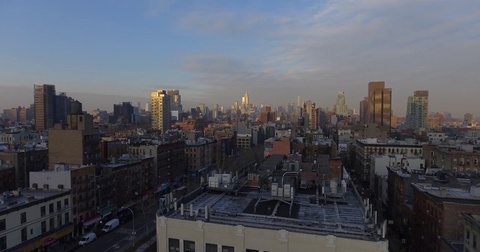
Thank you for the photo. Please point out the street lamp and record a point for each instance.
(133, 224)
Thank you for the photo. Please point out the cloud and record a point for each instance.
(343, 44)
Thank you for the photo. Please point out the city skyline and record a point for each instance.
(109, 52)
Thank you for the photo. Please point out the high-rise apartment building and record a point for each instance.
(341, 107)
(379, 103)
(44, 100)
(161, 112)
(311, 114)
(417, 110)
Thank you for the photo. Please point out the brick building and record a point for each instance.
(437, 214)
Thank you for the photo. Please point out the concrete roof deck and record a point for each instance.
(343, 218)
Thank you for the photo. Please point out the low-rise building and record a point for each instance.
(437, 214)
(80, 180)
(34, 219)
(200, 155)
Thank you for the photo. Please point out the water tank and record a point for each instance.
(274, 189)
(475, 191)
(333, 186)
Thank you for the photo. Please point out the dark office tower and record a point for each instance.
(123, 114)
(44, 100)
(379, 104)
(364, 111)
(63, 107)
(175, 100)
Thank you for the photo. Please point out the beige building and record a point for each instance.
(34, 219)
(258, 221)
(75, 143)
(161, 112)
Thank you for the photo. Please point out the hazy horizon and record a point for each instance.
(103, 53)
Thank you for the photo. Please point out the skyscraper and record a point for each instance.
(341, 107)
(44, 100)
(161, 112)
(379, 104)
(417, 110)
(175, 100)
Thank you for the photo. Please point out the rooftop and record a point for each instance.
(343, 217)
(12, 201)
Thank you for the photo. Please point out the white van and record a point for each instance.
(110, 225)
(87, 238)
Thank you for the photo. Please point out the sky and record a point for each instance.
(107, 52)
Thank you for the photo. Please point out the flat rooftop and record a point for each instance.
(342, 217)
(17, 200)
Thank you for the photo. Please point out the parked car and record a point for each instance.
(87, 238)
(110, 225)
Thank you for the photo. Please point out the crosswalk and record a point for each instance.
(123, 230)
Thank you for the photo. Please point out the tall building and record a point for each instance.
(175, 100)
(123, 114)
(161, 112)
(63, 107)
(245, 100)
(44, 100)
(417, 110)
(379, 103)
(364, 111)
(341, 107)
(311, 114)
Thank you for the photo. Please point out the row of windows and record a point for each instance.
(189, 246)
(23, 231)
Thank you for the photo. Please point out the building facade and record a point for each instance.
(33, 219)
(77, 143)
(80, 180)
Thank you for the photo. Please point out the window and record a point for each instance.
(24, 234)
(173, 245)
(67, 218)
(59, 220)
(211, 247)
(3, 243)
(188, 246)
(50, 208)
(251, 250)
(23, 217)
(3, 225)
(44, 227)
(43, 211)
(475, 161)
(65, 202)
(52, 223)
(59, 205)
(228, 249)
